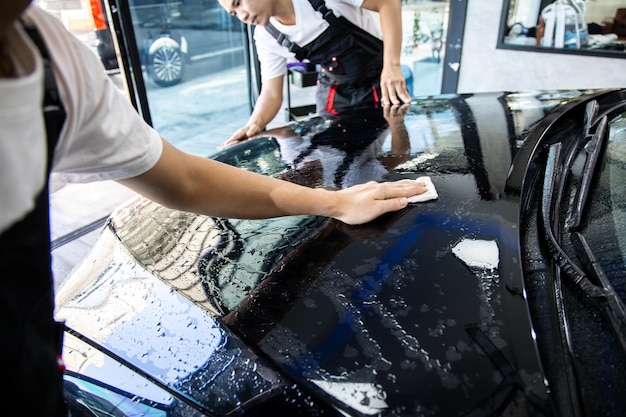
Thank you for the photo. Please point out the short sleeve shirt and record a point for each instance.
(103, 137)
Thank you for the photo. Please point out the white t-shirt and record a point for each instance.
(103, 137)
(309, 24)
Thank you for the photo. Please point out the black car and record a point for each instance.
(503, 296)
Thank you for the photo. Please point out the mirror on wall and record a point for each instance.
(587, 27)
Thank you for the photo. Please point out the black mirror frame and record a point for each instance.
(526, 48)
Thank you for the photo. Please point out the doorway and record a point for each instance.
(431, 44)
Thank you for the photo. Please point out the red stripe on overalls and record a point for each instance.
(376, 98)
(330, 102)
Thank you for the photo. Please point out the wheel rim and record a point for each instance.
(167, 64)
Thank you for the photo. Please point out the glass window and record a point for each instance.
(595, 27)
(428, 68)
(605, 228)
(424, 26)
(192, 59)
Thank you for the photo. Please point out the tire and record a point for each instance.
(166, 64)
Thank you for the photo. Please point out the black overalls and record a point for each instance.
(351, 61)
(31, 340)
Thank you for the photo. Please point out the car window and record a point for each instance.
(177, 52)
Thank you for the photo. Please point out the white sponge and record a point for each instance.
(429, 194)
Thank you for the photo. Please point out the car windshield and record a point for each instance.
(582, 322)
(616, 166)
(584, 187)
(599, 219)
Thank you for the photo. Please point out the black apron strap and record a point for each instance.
(350, 60)
(300, 52)
(283, 40)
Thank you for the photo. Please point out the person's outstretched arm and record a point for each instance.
(205, 186)
(266, 108)
(392, 83)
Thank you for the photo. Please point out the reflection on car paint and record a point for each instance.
(132, 297)
(366, 398)
(482, 257)
(240, 259)
(417, 163)
(126, 307)
(479, 254)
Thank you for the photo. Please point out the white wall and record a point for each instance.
(597, 10)
(485, 68)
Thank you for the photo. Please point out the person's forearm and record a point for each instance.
(390, 15)
(204, 186)
(390, 12)
(267, 106)
(236, 193)
(393, 90)
(269, 103)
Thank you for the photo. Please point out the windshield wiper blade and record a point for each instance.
(563, 265)
(591, 112)
(593, 148)
(548, 208)
(557, 169)
(614, 307)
